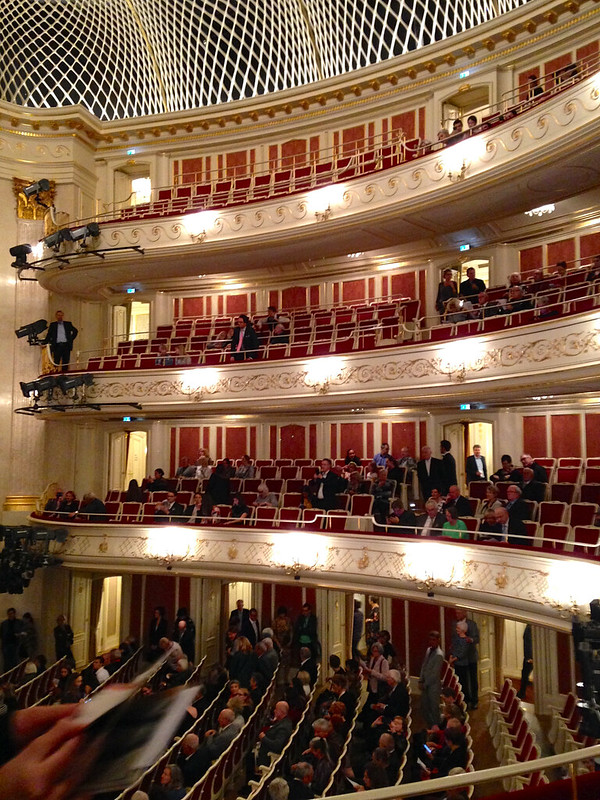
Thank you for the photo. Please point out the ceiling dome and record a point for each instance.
(128, 58)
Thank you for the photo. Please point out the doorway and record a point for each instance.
(128, 451)
(108, 627)
(463, 436)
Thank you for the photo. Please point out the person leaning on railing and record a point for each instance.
(92, 508)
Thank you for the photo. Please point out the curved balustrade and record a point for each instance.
(35, 691)
(15, 675)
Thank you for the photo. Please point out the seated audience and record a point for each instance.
(491, 501)
(163, 359)
(68, 506)
(395, 471)
(352, 458)
(92, 508)
(530, 488)
(488, 527)
(401, 517)
(454, 312)
(74, 691)
(457, 500)
(594, 271)
(512, 530)
(239, 511)
(159, 483)
(318, 755)
(202, 468)
(181, 357)
(300, 784)
(188, 760)
(134, 493)
(505, 471)
(265, 497)
(173, 652)
(278, 789)
(454, 528)
(246, 469)
(200, 510)
(516, 301)
(280, 335)
(432, 521)
(170, 786)
(382, 491)
(485, 307)
(517, 508)
(274, 739)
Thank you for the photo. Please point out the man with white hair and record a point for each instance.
(188, 760)
(269, 656)
(185, 637)
(278, 789)
(173, 651)
(277, 736)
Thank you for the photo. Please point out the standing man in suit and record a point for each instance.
(251, 627)
(476, 467)
(430, 680)
(308, 664)
(464, 656)
(244, 343)
(329, 484)
(238, 615)
(429, 472)
(305, 631)
(61, 335)
(448, 466)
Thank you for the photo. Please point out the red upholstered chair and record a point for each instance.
(585, 538)
(252, 484)
(472, 523)
(582, 514)
(555, 535)
(110, 362)
(563, 492)
(568, 474)
(129, 362)
(113, 510)
(283, 462)
(264, 516)
(291, 500)
(303, 462)
(342, 501)
(188, 485)
(263, 462)
(294, 485)
(592, 462)
(477, 489)
(590, 493)
(361, 505)
(288, 472)
(94, 364)
(552, 511)
(336, 520)
(130, 512)
(266, 472)
(289, 518)
(592, 474)
(185, 498)
(570, 462)
(312, 519)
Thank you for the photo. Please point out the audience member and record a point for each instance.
(280, 335)
(246, 468)
(218, 483)
(475, 466)
(63, 639)
(134, 493)
(512, 530)
(491, 501)
(429, 472)
(202, 470)
(265, 497)
(448, 466)
(402, 518)
(92, 508)
(505, 471)
(352, 458)
(454, 528)
(517, 508)
(380, 458)
(163, 359)
(276, 737)
(539, 472)
(244, 344)
(11, 631)
(243, 662)
(432, 521)
(239, 511)
(446, 289)
(382, 491)
(159, 484)
(530, 488)
(457, 500)
(200, 510)
(251, 627)
(300, 785)
(305, 631)
(471, 287)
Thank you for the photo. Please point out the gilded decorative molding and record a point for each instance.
(530, 583)
(28, 207)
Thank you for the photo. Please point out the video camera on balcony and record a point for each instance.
(586, 638)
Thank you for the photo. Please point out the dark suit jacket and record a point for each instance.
(397, 703)
(517, 529)
(250, 343)
(176, 510)
(435, 479)
(462, 505)
(332, 484)
(191, 767)
(70, 332)
(471, 469)
(449, 469)
(519, 510)
(234, 617)
(437, 523)
(534, 490)
(539, 473)
(310, 666)
(471, 288)
(275, 739)
(247, 630)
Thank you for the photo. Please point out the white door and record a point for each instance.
(487, 667)
(79, 617)
(108, 630)
(454, 433)
(136, 457)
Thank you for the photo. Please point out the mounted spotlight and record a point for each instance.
(47, 384)
(34, 189)
(20, 252)
(29, 389)
(32, 331)
(67, 382)
(54, 241)
(81, 234)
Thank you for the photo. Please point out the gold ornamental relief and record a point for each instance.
(30, 208)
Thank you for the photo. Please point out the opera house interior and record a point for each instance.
(248, 254)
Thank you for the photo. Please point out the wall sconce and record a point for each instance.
(458, 174)
(197, 225)
(322, 371)
(320, 201)
(201, 381)
(169, 545)
(441, 567)
(457, 158)
(299, 552)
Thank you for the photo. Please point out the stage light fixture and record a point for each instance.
(32, 331)
(29, 389)
(54, 241)
(43, 185)
(20, 252)
(67, 382)
(81, 234)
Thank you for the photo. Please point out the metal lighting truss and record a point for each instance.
(129, 58)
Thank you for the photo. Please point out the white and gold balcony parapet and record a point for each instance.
(556, 129)
(553, 353)
(536, 586)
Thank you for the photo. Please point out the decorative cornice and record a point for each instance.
(526, 585)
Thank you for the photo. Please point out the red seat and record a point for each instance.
(264, 516)
(129, 362)
(590, 493)
(294, 485)
(113, 509)
(288, 472)
(361, 505)
(564, 492)
(552, 511)
(592, 474)
(477, 489)
(284, 462)
(290, 518)
(566, 474)
(582, 514)
(94, 364)
(130, 512)
(110, 362)
(336, 520)
(267, 472)
(188, 485)
(554, 535)
(312, 519)
(585, 538)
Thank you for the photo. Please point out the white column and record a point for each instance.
(545, 669)
(158, 446)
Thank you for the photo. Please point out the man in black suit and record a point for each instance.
(471, 288)
(308, 664)
(185, 638)
(306, 631)
(448, 466)
(516, 507)
(175, 510)
(244, 343)
(431, 522)
(61, 335)
(238, 615)
(429, 472)
(513, 530)
(327, 484)
(277, 736)
(476, 467)
(455, 498)
(189, 761)
(339, 687)
(251, 627)
(532, 489)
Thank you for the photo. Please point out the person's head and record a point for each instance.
(457, 126)
(303, 772)
(448, 696)
(426, 452)
(380, 757)
(176, 777)
(350, 453)
(431, 508)
(506, 461)
(69, 496)
(460, 614)
(271, 311)
(490, 517)
(561, 268)
(236, 499)
(159, 474)
(60, 620)
(171, 497)
(242, 321)
(226, 717)
(515, 293)
(322, 728)
(514, 279)
(376, 649)
(472, 122)
(97, 663)
(434, 639)
(307, 608)
(253, 614)
(491, 494)
(501, 515)
(442, 134)
(382, 475)
(66, 671)
(164, 643)
(339, 684)
(325, 464)
(454, 737)
(281, 710)
(263, 489)
(305, 653)
(533, 80)
(278, 789)
(385, 448)
(189, 744)
(393, 677)
(375, 777)
(477, 450)
(482, 298)
(454, 492)
(60, 315)
(447, 275)
(526, 460)
(513, 492)
(527, 474)
(239, 605)
(246, 460)
(198, 499)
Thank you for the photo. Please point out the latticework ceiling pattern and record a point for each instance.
(128, 58)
